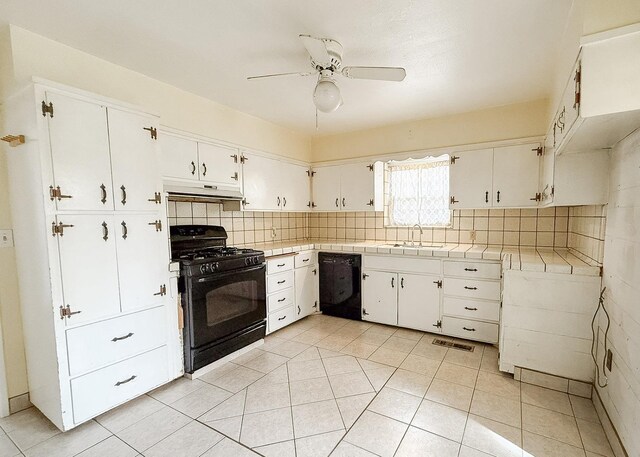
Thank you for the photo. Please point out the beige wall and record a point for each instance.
(500, 123)
(601, 15)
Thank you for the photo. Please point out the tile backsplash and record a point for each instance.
(243, 227)
(586, 231)
(545, 227)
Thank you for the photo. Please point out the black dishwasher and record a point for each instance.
(340, 293)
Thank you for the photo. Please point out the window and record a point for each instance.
(419, 192)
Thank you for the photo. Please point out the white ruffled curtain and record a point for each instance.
(419, 194)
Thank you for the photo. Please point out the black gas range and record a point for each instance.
(223, 293)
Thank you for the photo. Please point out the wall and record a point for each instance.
(242, 227)
(501, 123)
(512, 227)
(587, 231)
(622, 280)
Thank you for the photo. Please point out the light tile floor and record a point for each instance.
(327, 386)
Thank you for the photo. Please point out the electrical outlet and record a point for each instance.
(609, 363)
(472, 235)
(6, 238)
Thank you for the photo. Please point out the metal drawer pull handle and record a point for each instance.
(282, 299)
(337, 204)
(470, 269)
(486, 197)
(124, 195)
(470, 309)
(125, 230)
(284, 201)
(344, 201)
(299, 310)
(281, 265)
(282, 318)
(470, 288)
(305, 260)
(119, 383)
(469, 329)
(193, 168)
(103, 191)
(282, 282)
(120, 338)
(393, 282)
(341, 292)
(105, 231)
(204, 171)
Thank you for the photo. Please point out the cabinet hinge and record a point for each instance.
(370, 202)
(55, 192)
(578, 80)
(157, 198)
(234, 157)
(311, 173)
(157, 224)
(438, 324)
(47, 109)
(235, 176)
(315, 304)
(153, 131)
(439, 283)
(537, 197)
(553, 190)
(163, 291)
(370, 167)
(364, 276)
(311, 205)
(65, 311)
(453, 200)
(539, 151)
(453, 159)
(58, 229)
(243, 159)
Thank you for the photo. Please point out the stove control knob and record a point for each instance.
(202, 269)
(217, 266)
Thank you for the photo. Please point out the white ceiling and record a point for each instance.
(460, 55)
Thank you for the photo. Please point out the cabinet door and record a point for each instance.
(516, 172)
(419, 302)
(261, 181)
(380, 297)
(179, 157)
(80, 155)
(219, 165)
(357, 187)
(326, 188)
(296, 187)
(546, 170)
(140, 237)
(134, 161)
(306, 286)
(470, 179)
(88, 266)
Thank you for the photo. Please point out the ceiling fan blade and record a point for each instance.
(317, 49)
(379, 73)
(303, 73)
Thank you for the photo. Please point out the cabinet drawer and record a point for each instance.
(471, 330)
(279, 282)
(304, 259)
(96, 345)
(280, 299)
(472, 269)
(472, 309)
(103, 389)
(279, 264)
(402, 264)
(486, 290)
(281, 318)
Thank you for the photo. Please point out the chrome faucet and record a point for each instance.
(413, 234)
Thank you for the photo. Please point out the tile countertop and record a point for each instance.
(550, 260)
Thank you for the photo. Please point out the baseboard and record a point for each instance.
(607, 425)
(567, 385)
(19, 403)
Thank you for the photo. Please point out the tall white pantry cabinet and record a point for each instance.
(92, 252)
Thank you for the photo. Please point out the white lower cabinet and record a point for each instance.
(100, 390)
(380, 297)
(470, 329)
(280, 292)
(306, 285)
(419, 302)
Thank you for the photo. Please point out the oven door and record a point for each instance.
(225, 303)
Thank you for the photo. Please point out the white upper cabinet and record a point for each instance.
(471, 179)
(348, 187)
(134, 160)
(295, 187)
(505, 177)
(81, 178)
(89, 266)
(219, 164)
(516, 172)
(546, 170)
(179, 157)
(261, 182)
(326, 188)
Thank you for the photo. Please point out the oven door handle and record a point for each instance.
(217, 276)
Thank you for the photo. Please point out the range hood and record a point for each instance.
(231, 198)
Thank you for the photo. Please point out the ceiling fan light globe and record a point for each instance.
(326, 96)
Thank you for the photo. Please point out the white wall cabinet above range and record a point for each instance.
(272, 184)
(195, 162)
(88, 212)
(348, 187)
(504, 177)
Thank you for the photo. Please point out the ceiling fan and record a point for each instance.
(326, 61)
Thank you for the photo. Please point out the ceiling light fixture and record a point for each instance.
(326, 95)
